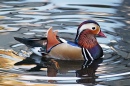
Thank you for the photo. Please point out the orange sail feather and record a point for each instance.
(51, 39)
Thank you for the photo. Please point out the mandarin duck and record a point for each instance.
(84, 47)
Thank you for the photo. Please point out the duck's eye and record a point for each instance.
(93, 28)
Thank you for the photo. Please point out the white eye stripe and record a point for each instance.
(87, 26)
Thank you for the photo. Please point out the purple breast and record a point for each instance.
(96, 51)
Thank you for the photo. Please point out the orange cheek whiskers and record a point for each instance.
(87, 41)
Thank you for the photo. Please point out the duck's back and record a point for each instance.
(65, 51)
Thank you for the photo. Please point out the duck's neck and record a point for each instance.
(87, 41)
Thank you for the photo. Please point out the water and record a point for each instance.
(30, 18)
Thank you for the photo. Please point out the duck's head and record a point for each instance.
(88, 30)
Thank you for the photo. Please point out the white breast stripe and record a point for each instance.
(89, 54)
(84, 54)
(86, 64)
(90, 62)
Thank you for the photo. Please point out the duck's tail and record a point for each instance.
(37, 45)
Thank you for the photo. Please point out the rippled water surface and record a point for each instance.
(32, 18)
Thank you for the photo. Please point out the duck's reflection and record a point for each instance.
(83, 69)
(86, 70)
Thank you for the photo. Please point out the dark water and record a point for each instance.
(32, 18)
